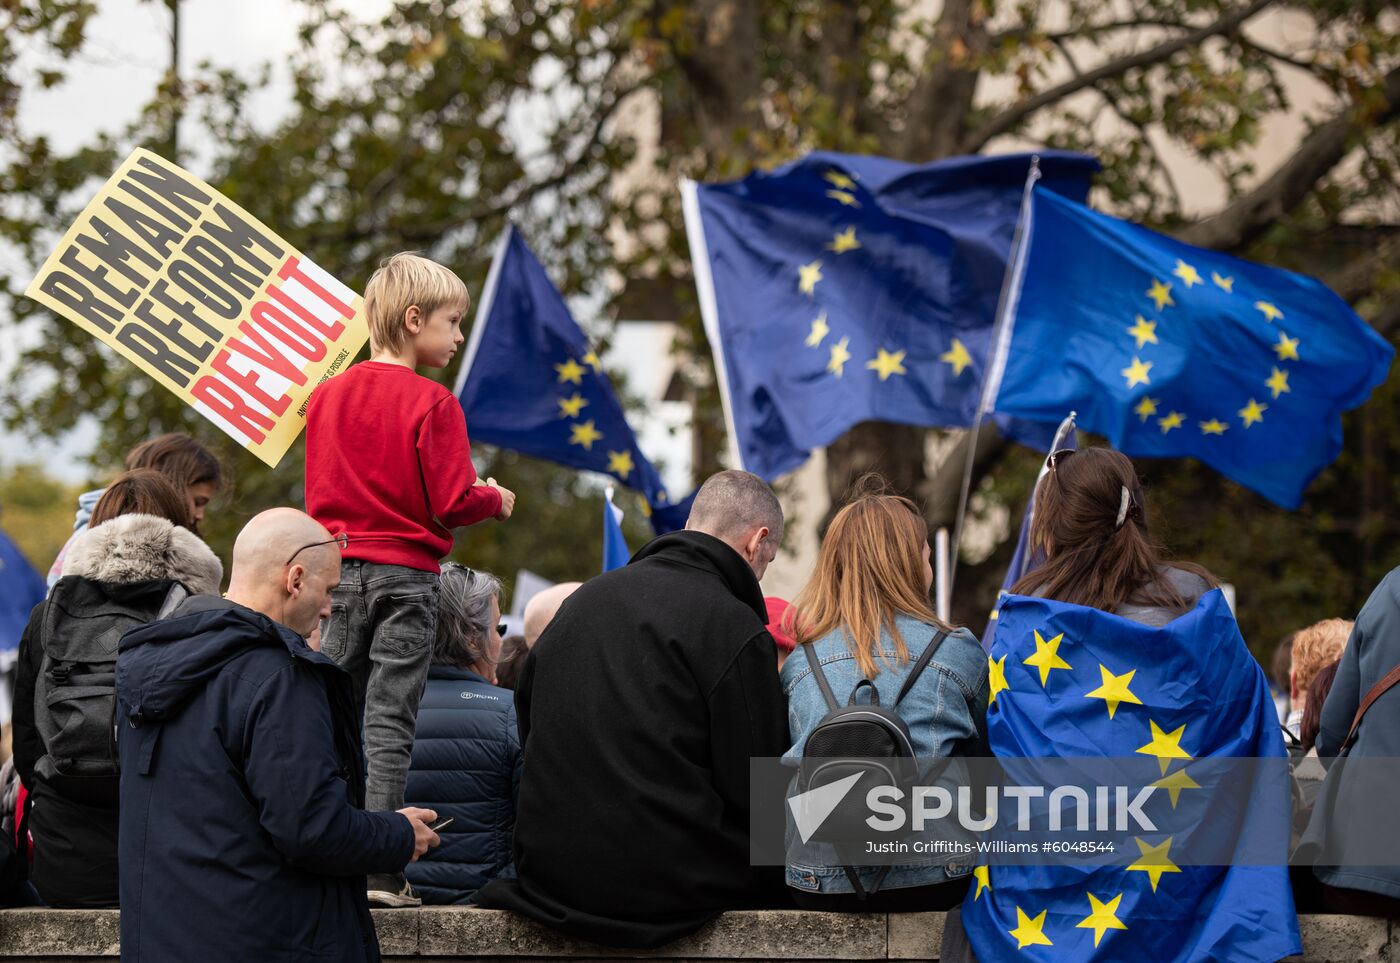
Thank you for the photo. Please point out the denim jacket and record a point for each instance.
(940, 711)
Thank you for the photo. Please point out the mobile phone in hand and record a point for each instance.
(441, 824)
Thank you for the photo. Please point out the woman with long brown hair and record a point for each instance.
(1091, 525)
(865, 614)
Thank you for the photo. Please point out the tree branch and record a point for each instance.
(1248, 216)
(1091, 30)
(1123, 115)
(941, 100)
(1010, 118)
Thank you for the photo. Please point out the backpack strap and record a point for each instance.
(820, 676)
(919, 666)
(1379, 689)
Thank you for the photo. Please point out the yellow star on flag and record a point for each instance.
(1154, 861)
(1287, 348)
(1161, 293)
(887, 363)
(808, 276)
(620, 463)
(1225, 284)
(1102, 917)
(1278, 382)
(570, 370)
(839, 180)
(572, 407)
(1187, 273)
(1114, 689)
(1047, 656)
(584, 434)
(1172, 420)
(1270, 312)
(1166, 746)
(1144, 331)
(839, 357)
(1214, 427)
(1136, 373)
(983, 875)
(1252, 413)
(1145, 408)
(958, 357)
(1028, 932)
(1176, 782)
(845, 197)
(996, 677)
(819, 331)
(593, 361)
(843, 241)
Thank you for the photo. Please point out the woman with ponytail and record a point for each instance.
(1091, 526)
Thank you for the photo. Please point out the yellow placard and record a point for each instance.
(205, 299)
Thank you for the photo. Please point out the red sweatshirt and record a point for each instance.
(387, 456)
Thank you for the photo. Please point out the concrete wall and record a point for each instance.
(444, 934)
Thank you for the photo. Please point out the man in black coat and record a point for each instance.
(639, 710)
(242, 779)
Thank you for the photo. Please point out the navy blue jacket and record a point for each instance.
(466, 764)
(242, 778)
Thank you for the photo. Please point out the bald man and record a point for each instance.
(243, 835)
(542, 608)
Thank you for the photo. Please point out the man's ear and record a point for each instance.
(755, 540)
(413, 319)
(293, 580)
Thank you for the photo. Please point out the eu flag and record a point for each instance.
(1170, 350)
(21, 588)
(531, 383)
(843, 288)
(1075, 683)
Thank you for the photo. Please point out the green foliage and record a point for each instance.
(36, 511)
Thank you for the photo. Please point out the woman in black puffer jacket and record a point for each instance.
(466, 755)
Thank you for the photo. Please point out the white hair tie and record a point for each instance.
(1122, 508)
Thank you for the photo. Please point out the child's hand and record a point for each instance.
(507, 500)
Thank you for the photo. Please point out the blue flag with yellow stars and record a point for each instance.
(1075, 683)
(843, 288)
(531, 383)
(1170, 350)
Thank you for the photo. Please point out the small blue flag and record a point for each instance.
(530, 382)
(1169, 350)
(1074, 683)
(1024, 559)
(615, 553)
(842, 288)
(21, 588)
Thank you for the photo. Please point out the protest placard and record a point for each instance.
(205, 299)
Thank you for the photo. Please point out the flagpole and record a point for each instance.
(483, 308)
(709, 308)
(996, 366)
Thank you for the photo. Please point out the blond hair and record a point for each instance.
(401, 282)
(870, 569)
(1316, 647)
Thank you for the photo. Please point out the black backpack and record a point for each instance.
(853, 739)
(75, 694)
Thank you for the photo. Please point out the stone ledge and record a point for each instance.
(448, 933)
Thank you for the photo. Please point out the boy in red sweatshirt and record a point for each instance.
(388, 464)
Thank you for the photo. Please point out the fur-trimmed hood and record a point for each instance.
(144, 548)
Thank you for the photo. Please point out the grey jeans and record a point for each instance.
(381, 631)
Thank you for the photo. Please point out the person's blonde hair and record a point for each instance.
(1316, 647)
(400, 282)
(870, 569)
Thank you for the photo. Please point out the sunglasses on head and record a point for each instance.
(343, 540)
